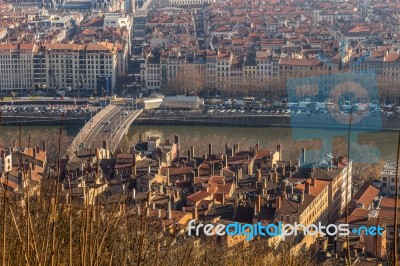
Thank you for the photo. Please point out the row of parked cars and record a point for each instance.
(47, 110)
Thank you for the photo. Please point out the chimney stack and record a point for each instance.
(189, 155)
(276, 176)
(209, 149)
(169, 212)
(307, 187)
(44, 145)
(105, 146)
(226, 148)
(176, 140)
(313, 182)
(258, 205)
(168, 178)
(148, 198)
(278, 203)
(303, 155)
(240, 174)
(301, 197)
(192, 151)
(133, 193)
(278, 149)
(34, 154)
(195, 214)
(237, 147)
(259, 175)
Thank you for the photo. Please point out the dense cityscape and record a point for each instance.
(86, 177)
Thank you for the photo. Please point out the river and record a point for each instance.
(200, 136)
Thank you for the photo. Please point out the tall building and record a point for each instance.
(52, 67)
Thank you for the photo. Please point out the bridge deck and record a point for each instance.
(109, 125)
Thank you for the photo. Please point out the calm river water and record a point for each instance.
(200, 136)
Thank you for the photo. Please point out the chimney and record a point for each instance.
(307, 187)
(176, 140)
(276, 176)
(240, 174)
(237, 147)
(303, 155)
(313, 182)
(209, 149)
(189, 156)
(284, 170)
(283, 186)
(169, 212)
(133, 193)
(192, 151)
(37, 149)
(225, 160)
(105, 146)
(195, 214)
(301, 197)
(159, 213)
(168, 180)
(34, 154)
(33, 166)
(148, 198)
(226, 148)
(257, 146)
(259, 176)
(44, 145)
(149, 169)
(278, 203)
(233, 149)
(212, 169)
(258, 205)
(278, 149)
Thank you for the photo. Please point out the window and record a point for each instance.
(391, 187)
(384, 178)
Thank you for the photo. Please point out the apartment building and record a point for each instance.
(52, 67)
(388, 180)
(16, 67)
(309, 205)
(339, 176)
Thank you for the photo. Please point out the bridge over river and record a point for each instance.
(110, 124)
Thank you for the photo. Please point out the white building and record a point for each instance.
(181, 101)
(388, 179)
(16, 67)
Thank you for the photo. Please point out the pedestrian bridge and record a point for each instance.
(110, 125)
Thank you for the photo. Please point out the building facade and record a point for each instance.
(53, 67)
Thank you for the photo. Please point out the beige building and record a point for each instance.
(53, 67)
